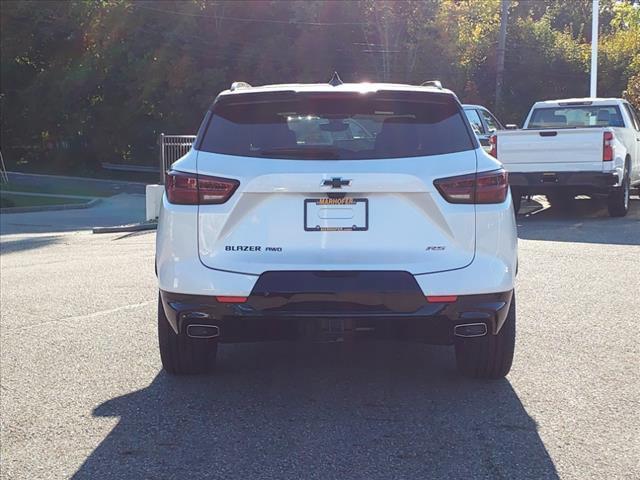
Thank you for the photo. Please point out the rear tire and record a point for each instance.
(618, 202)
(491, 356)
(182, 355)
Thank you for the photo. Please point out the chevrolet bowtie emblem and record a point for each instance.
(336, 182)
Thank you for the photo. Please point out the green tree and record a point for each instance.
(85, 82)
(619, 50)
(632, 93)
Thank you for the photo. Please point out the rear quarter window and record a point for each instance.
(336, 126)
(474, 120)
(491, 121)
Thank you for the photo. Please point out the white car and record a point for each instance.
(334, 212)
(483, 122)
(574, 146)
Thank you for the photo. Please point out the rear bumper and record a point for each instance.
(541, 182)
(180, 270)
(330, 306)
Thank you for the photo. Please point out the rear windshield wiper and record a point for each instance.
(302, 152)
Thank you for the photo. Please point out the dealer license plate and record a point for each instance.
(345, 214)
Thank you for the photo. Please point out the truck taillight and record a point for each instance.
(192, 189)
(493, 141)
(607, 147)
(486, 187)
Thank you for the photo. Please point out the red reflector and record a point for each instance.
(441, 298)
(191, 189)
(224, 299)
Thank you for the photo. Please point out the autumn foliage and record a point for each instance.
(85, 82)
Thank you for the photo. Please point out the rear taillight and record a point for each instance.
(486, 187)
(491, 187)
(607, 147)
(181, 188)
(192, 189)
(215, 190)
(493, 141)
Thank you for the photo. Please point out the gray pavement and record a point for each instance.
(83, 396)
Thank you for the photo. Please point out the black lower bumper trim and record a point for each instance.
(327, 316)
(542, 182)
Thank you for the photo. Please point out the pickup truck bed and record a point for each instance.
(542, 160)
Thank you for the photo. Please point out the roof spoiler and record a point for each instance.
(432, 83)
(238, 85)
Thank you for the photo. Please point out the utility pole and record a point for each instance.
(502, 43)
(594, 49)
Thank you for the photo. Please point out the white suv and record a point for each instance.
(333, 212)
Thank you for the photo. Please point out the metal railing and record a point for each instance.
(172, 147)
(4, 178)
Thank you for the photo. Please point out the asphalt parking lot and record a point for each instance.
(83, 396)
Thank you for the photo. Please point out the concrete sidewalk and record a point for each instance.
(117, 210)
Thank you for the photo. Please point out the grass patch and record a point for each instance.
(8, 200)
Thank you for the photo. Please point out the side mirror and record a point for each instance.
(511, 126)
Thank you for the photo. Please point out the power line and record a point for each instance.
(254, 20)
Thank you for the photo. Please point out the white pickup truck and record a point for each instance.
(575, 146)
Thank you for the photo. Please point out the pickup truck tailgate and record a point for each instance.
(562, 146)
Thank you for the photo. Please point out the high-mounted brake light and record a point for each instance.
(607, 147)
(192, 189)
(485, 187)
(493, 141)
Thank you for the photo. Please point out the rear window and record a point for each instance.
(576, 117)
(336, 126)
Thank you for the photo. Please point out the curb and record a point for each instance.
(102, 186)
(67, 177)
(134, 227)
(49, 208)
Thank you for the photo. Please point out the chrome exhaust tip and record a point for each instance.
(202, 331)
(470, 330)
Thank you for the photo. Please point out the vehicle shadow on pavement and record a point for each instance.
(30, 243)
(367, 410)
(582, 221)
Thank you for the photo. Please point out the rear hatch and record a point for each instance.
(340, 181)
